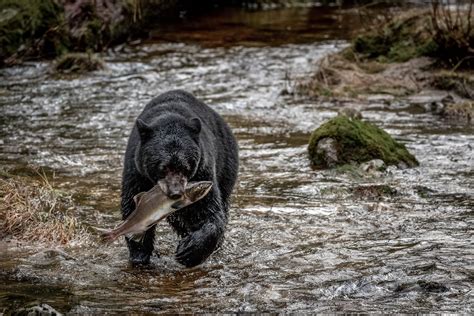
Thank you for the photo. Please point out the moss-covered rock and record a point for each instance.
(353, 140)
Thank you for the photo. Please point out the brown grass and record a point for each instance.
(32, 210)
(403, 54)
(337, 75)
(463, 112)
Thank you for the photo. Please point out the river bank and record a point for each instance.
(410, 57)
(36, 30)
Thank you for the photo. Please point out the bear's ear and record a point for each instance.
(144, 129)
(195, 124)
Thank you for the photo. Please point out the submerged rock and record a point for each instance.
(373, 166)
(343, 140)
(431, 100)
(373, 191)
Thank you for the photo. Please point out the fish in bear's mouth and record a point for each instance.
(153, 206)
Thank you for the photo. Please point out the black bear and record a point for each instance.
(177, 139)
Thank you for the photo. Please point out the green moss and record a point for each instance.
(358, 141)
(370, 45)
(402, 39)
(447, 37)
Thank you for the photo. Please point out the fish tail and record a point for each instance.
(108, 236)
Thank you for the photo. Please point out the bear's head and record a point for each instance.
(169, 152)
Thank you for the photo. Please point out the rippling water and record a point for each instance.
(298, 239)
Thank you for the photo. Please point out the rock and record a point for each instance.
(78, 63)
(431, 286)
(373, 191)
(373, 166)
(38, 310)
(431, 100)
(460, 83)
(353, 140)
(327, 148)
(350, 112)
(384, 98)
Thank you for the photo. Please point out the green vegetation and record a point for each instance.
(357, 141)
(403, 38)
(404, 54)
(440, 32)
(31, 27)
(50, 28)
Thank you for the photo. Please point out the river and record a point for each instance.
(298, 240)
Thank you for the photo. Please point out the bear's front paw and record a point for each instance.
(196, 247)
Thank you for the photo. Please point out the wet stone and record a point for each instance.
(373, 191)
(385, 98)
(350, 112)
(38, 310)
(373, 166)
(431, 100)
(431, 286)
(327, 148)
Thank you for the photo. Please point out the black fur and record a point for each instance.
(178, 137)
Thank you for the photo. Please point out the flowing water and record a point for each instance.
(298, 239)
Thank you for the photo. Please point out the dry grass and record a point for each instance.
(32, 210)
(463, 112)
(402, 54)
(337, 75)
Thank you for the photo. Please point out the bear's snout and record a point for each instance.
(173, 185)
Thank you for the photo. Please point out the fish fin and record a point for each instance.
(177, 205)
(138, 237)
(137, 197)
